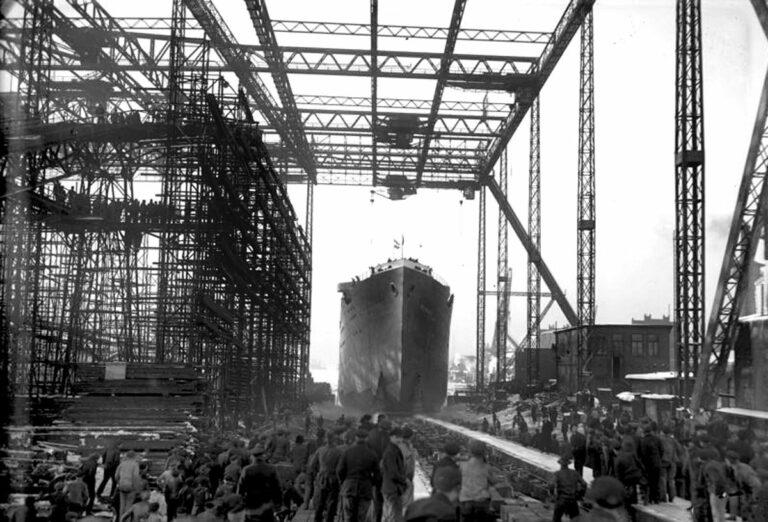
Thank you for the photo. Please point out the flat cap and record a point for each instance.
(447, 478)
(451, 448)
(607, 492)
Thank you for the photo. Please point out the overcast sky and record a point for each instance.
(634, 104)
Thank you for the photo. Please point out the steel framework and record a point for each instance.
(585, 220)
(689, 194)
(213, 271)
(502, 280)
(748, 218)
(481, 271)
(533, 299)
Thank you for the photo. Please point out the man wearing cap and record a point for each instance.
(448, 459)
(327, 481)
(260, 488)
(607, 498)
(378, 440)
(358, 472)
(569, 488)
(441, 506)
(393, 479)
(476, 480)
(410, 455)
(650, 455)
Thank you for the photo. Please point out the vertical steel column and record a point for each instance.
(689, 193)
(585, 224)
(170, 178)
(502, 265)
(480, 339)
(533, 299)
(374, 87)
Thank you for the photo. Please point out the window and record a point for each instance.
(637, 345)
(653, 345)
(618, 343)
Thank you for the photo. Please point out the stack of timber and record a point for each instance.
(148, 408)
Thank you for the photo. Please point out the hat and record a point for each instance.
(607, 492)
(396, 432)
(451, 448)
(257, 450)
(477, 448)
(564, 460)
(447, 478)
(407, 432)
(361, 434)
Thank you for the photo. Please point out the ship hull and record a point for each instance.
(393, 352)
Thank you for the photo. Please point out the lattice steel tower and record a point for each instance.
(480, 348)
(534, 231)
(689, 193)
(585, 225)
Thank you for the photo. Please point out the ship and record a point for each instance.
(394, 332)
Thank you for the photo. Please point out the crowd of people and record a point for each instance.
(723, 472)
(110, 209)
(353, 471)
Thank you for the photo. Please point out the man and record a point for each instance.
(650, 456)
(441, 506)
(138, 511)
(746, 481)
(569, 487)
(260, 488)
(715, 479)
(327, 481)
(171, 487)
(393, 480)
(88, 469)
(448, 459)
(110, 460)
(358, 473)
(578, 444)
(476, 481)
(233, 469)
(410, 455)
(77, 494)
(129, 482)
(279, 446)
(607, 498)
(299, 454)
(629, 471)
(378, 440)
(668, 464)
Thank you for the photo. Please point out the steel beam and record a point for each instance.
(263, 25)
(437, 97)
(480, 310)
(731, 289)
(224, 42)
(374, 87)
(533, 252)
(689, 194)
(566, 28)
(533, 298)
(585, 219)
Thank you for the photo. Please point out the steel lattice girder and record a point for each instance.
(526, 73)
(748, 217)
(689, 192)
(353, 29)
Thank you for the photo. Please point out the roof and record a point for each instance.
(744, 412)
(753, 318)
(652, 376)
(658, 396)
(613, 325)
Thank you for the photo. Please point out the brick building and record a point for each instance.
(619, 349)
